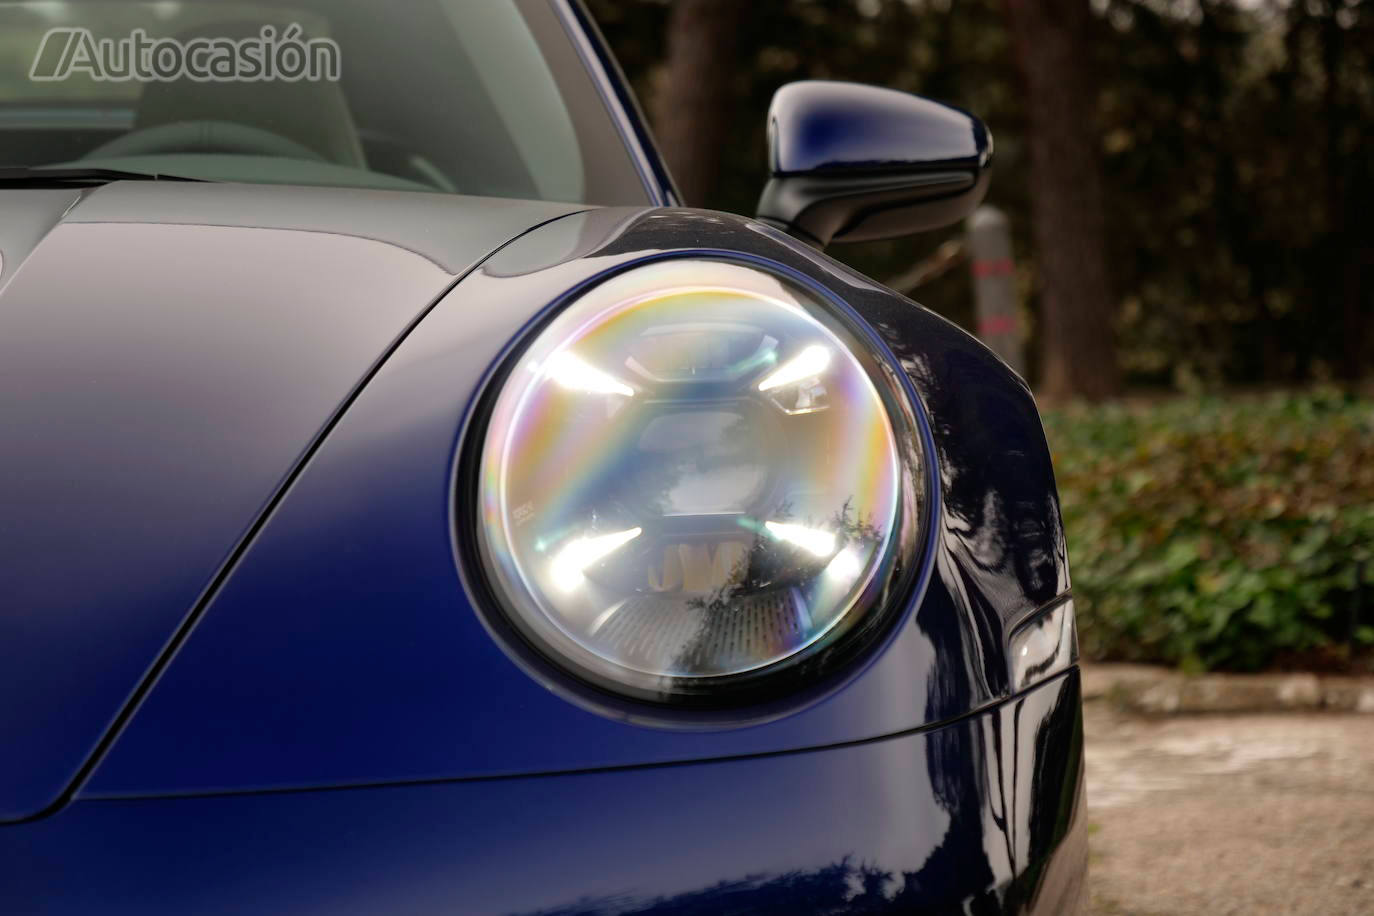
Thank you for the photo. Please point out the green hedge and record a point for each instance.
(1220, 532)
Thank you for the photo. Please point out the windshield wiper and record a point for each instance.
(26, 177)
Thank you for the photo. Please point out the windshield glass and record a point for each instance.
(485, 97)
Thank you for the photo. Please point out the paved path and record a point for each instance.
(1230, 814)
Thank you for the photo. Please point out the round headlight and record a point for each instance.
(695, 476)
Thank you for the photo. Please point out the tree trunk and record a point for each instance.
(1346, 206)
(691, 104)
(1053, 46)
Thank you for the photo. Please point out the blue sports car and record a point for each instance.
(407, 506)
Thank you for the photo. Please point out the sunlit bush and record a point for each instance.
(1220, 532)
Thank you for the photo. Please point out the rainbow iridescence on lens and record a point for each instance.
(688, 474)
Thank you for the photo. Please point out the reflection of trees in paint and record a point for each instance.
(841, 889)
(1051, 875)
(844, 888)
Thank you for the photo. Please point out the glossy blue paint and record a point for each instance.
(166, 358)
(983, 815)
(825, 126)
(265, 682)
(344, 648)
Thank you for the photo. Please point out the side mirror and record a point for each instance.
(856, 163)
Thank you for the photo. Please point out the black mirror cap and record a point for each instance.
(856, 163)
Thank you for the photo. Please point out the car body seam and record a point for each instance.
(925, 728)
(188, 623)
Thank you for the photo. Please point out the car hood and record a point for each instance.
(170, 354)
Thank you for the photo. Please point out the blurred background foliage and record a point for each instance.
(1233, 137)
(1221, 533)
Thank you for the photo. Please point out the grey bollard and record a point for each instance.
(994, 286)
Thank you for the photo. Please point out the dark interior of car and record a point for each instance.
(411, 108)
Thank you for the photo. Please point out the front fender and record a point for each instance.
(344, 649)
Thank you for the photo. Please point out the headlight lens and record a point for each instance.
(693, 476)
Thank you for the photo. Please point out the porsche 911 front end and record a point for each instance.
(438, 523)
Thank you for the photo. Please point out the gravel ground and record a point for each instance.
(1230, 814)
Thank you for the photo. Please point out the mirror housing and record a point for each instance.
(856, 163)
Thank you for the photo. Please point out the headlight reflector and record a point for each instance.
(694, 475)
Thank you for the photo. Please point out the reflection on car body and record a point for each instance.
(409, 505)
